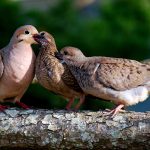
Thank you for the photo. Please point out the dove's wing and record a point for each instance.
(122, 74)
(116, 73)
(70, 80)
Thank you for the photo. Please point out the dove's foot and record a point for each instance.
(2, 108)
(80, 102)
(68, 107)
(22, 105)
(114, 111)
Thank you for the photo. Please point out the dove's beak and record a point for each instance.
(40, 39)
(37, 37)
(59, 56)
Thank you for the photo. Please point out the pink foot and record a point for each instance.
(22, 105)
(80, 102)
(69, 103)
(2, 108)
(115, 111)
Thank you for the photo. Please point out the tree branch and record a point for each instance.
(47, 129)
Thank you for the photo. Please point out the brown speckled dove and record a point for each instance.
(17, 62)
(125, 82)
(54, 75)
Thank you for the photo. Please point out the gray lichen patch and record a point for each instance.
(79, 123)
(31, 119)
(58, 116)
(69, 116)
(119, 118)
(52, 127)
(2, 115)
(115, 134)
(142, 125)
(26, 112)
(12, 113)
(85, 136)
(5, 125)
(47, 119)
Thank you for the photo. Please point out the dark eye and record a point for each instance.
(42, 33)
(26, 32)
(65, 53)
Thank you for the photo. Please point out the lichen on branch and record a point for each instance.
(60, 129)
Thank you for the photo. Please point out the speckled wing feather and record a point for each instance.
(122, 74)
(70, 80)
(116, 73)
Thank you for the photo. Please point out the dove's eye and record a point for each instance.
(42, 33)
(65, 53)
(26, 32)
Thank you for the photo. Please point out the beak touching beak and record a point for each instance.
(36, 36)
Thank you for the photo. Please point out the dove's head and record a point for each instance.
(24, 34)
(47, 36)
(72, 53)
(44, 38)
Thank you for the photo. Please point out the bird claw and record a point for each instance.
(114, 111)
(68, 106)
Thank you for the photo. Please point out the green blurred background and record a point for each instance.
(116, 28)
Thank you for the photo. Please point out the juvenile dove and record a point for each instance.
(125, 82)
(54, 75)
(17, 62)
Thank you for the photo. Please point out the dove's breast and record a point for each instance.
(19, 66)
(18, 71)
(49, 71)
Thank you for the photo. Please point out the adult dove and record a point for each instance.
(125, 82)
(52, 74)
(17, 62)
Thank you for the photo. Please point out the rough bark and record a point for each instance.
(47, 129)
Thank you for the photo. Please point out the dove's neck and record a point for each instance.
(19, 48)
(49, 49)
(20, 52)
(78, 58)
(81, 58)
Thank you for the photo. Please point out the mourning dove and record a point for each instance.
(125, 82)
(17, 62)
(54, 75)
